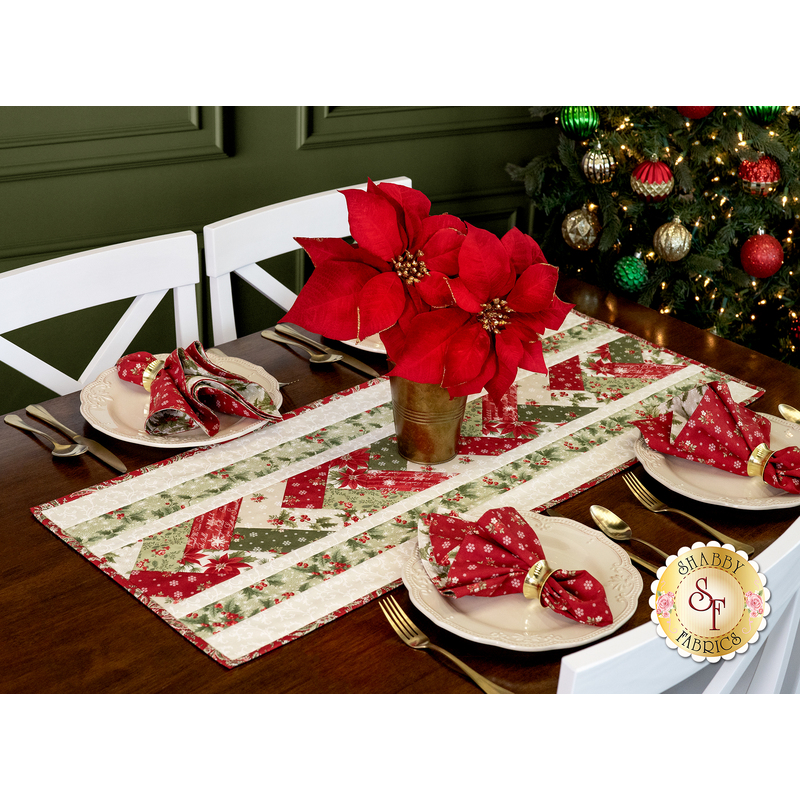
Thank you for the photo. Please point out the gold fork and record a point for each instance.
(652, 503)
(415, 638)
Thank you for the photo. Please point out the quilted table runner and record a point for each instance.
(249, 544)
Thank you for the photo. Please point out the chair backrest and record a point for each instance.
(639, 661)
(145, 269)
(235, 245)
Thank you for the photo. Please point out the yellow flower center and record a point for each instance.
(495, 315)
(410, 268)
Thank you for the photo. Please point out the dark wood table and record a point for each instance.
(68, 628)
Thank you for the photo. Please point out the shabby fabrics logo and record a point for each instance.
(709, 602)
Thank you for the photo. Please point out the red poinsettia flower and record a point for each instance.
(226, 564)
(397, 268)
(505, 300)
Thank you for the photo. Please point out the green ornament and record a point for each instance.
(763, 115)
(578, 122)
(630, 274)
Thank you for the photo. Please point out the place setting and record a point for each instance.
(187, 398)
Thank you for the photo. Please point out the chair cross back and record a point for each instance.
(235, 244)
(145, 270)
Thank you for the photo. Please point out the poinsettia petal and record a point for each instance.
(509, 354)
(324, 250)
(463, 297)
(375, 223)
(380, 303)
(533, 357)
(535, 289)
(327, 304)
(478, 383)
(427, 338)
(554, 316)
(440, 221)
(484, 266)
(467, 351)
(522, 250)
(394, 341)
(440, 249)
(528, 327)
(414, 204)
(434, 289)
(394, 338)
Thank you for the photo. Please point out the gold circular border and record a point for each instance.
(672, 578)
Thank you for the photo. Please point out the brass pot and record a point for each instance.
(427, 421)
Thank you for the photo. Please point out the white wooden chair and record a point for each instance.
(145, 269)
(639, 661)
(235, 245)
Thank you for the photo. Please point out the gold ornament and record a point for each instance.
(581, 228)
(672, 241)
(598, 165)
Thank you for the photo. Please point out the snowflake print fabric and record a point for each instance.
(492, 556)
(720, 432)
(189, 391)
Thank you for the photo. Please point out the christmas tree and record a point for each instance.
(690, 210)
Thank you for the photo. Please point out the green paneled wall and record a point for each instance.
(74, 178)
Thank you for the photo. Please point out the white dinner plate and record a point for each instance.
(515, 623)
(119, 408)
(711, 485)
(371, 344)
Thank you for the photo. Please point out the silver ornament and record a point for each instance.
(598, 165)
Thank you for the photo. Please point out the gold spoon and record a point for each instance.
(615, 528)
(58, 449)
(316, 358)
(789, 413)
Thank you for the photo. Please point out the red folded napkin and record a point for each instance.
(189, 391)
(492, 556)
(712, 428)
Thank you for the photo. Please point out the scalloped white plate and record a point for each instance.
(119, 408)
(514, 623)
(715, 486)
(372, 344)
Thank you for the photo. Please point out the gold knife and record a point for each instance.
(95, 448)
(649, 566)
(288, 330)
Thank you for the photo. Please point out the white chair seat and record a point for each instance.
(145, 269)
(236, 244)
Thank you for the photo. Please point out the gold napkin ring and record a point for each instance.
(150, 372)
(536, 579)
(758, 461)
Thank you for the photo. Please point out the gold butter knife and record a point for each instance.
(95, 448)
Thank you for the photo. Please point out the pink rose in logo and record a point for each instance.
(664, 603)
(755, 603)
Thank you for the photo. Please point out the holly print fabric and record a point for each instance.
(249, 544)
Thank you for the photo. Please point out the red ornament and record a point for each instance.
(760, 177)
(652, 180)
(695, 112)
(762, 255)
